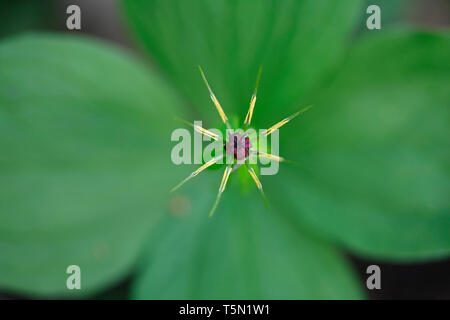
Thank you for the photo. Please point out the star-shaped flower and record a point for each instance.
(237, 146)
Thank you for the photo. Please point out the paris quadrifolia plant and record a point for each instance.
(84, 142)
(241, 146)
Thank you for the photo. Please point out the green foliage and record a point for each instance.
(243, 252)
(374, 152)
(296, 43)
(82, 130)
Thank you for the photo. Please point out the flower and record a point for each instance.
(238, 144)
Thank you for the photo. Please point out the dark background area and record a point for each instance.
(101, 18)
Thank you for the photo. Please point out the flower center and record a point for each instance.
(238, 145)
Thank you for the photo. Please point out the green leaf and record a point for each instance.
(374, 152)
(242, 252)
(296, 43)
(84, 161)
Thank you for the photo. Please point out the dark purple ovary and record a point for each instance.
(238, 145)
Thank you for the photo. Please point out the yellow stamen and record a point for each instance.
(196, 172)
(270, 156)
(255, 177)
(213, 98)
(285, 120)
(226, 174)
(258, 184)
(223, 184)
(200, 129)
(206, 132)
(248, 117)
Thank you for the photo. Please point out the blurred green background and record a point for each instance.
(85, 123)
